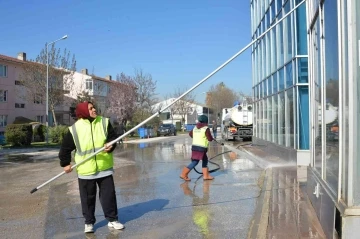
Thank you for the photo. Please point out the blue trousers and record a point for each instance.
(195, 162)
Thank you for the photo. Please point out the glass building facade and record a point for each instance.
(306, 85)
(334, 76)
(280, 74)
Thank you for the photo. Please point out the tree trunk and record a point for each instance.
(54, 116)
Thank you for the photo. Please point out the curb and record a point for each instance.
(258, 228)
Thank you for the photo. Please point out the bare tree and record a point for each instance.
(146, 87)
(247, 97)
(122, 97)
(61, 72)
(185, 105)
(145, 91)
(220, 96)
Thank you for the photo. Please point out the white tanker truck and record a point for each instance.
(237, 122)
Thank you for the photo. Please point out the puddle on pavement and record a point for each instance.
(20, 158)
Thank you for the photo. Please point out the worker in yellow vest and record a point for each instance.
(201, 136)
(89, 134)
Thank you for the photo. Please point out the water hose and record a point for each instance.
(218, 166)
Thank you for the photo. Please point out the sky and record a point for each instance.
(178, 42)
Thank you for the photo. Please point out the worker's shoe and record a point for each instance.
(184, 174)
(115, 224)
(89, 228)
(206, 174)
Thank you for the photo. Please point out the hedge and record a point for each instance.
(57, 133)
(18, 134)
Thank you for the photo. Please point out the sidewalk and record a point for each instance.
(284, 210)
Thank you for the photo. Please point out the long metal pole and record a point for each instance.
(181, 96)
(47, 93)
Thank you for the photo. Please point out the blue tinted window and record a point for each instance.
(303, 70)
(272, 9)
(265, 86)
(289, 75)
(263, 25)
(275, 88)
(332, 90)
(279, 3)
(281, 79)
(273, 50)
(301, 35)
(304, 117)
(281, 43)
(287, 7)
(269, 86)
(289, 32)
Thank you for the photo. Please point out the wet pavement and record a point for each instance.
(287, 211)
(290, 206)
(153, 202)
(254, 195)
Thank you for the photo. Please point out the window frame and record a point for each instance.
(3, 120)
(5, 96)
(6, 70)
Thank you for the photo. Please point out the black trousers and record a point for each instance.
(88, 191)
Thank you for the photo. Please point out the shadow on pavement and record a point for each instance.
(135, 211)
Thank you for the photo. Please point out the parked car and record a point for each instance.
(166, 129)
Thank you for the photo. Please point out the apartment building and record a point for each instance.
(13, 102)
(95, 86)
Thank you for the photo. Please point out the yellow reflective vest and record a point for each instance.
(90, 137)
(199, 137)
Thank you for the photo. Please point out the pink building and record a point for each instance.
(12, 104)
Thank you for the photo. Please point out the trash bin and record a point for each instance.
(189, 127)
(141, 132)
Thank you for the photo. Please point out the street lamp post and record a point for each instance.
(47, 86)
